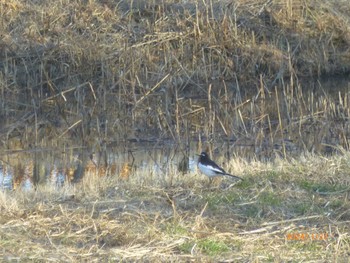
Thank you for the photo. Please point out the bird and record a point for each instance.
(210, 168)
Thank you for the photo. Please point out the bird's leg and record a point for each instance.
(210, 181)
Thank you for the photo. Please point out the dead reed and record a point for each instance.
(94, 73)
(290, 210)
(97, 72)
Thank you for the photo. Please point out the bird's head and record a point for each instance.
(203, 155)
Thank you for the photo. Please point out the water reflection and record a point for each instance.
(6, 177)
(26, 170)
(275, 125)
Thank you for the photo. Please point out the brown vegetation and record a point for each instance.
(100, 71)
(294, 210)
(94, 74)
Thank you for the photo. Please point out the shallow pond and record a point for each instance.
(281, 124)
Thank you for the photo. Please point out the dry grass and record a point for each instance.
(103, 218)
(95, 72)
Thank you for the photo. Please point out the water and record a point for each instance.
(316, 122)
(26, 169)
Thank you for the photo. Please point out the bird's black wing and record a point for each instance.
(216, 168)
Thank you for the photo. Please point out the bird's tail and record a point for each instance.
(233, 176)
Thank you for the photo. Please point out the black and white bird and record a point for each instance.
(210, 168)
